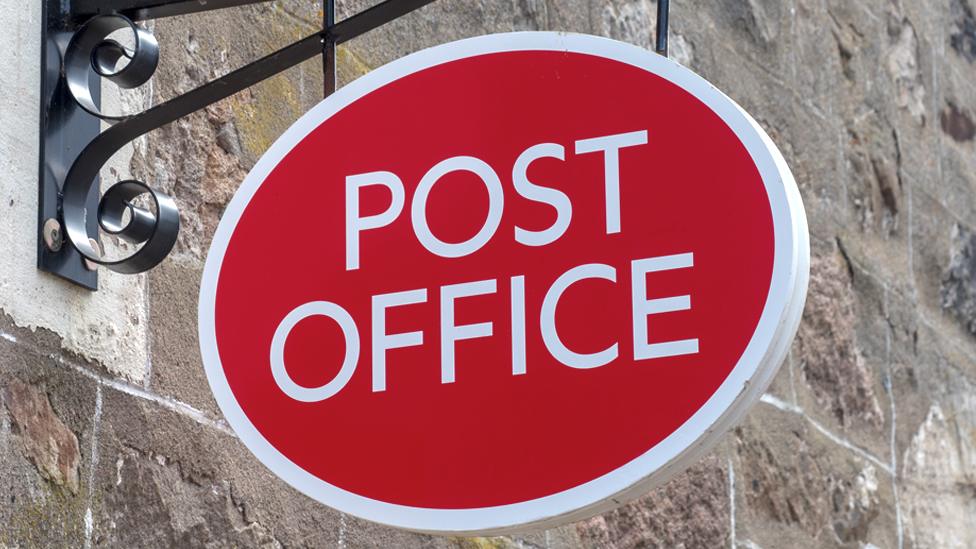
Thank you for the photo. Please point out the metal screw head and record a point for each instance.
(89, 264)
(53, 238)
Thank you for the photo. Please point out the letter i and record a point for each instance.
(518, 325)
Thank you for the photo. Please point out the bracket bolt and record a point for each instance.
(53, 238)
(89, 264)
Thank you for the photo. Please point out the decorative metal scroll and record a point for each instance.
(91, 55)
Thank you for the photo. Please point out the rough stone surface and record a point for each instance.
(959, 281)
(963, 37)
(903, 66)
(875, 161)
(794, 490)
(109, 436)
(690, 511)
(829, 359)
(48, 442)
(942, 487)
(178, 372)
(46, 433)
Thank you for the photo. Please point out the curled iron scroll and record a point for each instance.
(155, 231)
(91, 53)
(91, 56)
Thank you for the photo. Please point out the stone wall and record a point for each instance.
(867, 438)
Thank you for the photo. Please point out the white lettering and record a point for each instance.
(496, 204)
(556, 199)
(518, 325)
(356, 224)
(450, 332)
(642, 307)
(550, 336)
(349, 362)
(382, 342)
(610, 146)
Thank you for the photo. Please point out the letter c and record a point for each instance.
(547, 319)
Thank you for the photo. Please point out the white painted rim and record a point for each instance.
(729, 404)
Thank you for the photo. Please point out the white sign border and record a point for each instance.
(743, 387)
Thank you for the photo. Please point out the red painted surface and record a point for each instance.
(492, 438)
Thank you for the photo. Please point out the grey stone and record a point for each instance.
(177, 370)
(902, 63)
(962, 38)
(874, 159)
(934, 247)
(959, 282)
(794, 488)
(958, 179)
(941, 486)
(530, 15)
(628, 21)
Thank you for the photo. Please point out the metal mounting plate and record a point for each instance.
(65, 129)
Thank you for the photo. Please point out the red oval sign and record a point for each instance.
(510, 280)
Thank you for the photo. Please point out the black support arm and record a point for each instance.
(89, 56)
(140, 10)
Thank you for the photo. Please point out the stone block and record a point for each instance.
(571, 16)
(961, 35)
(177, 369)
(958, 290)
(166, 480)
(760, 31)
(840, 351)
(795, 487)
(937, 445)
(939, 262)
(822, 60)
(46, 429)
(691, 510)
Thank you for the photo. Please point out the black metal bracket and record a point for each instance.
(65, 130)
(77, 54)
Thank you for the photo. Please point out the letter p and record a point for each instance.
(356, 224)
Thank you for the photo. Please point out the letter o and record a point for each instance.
(496, 204)
(349, 331)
